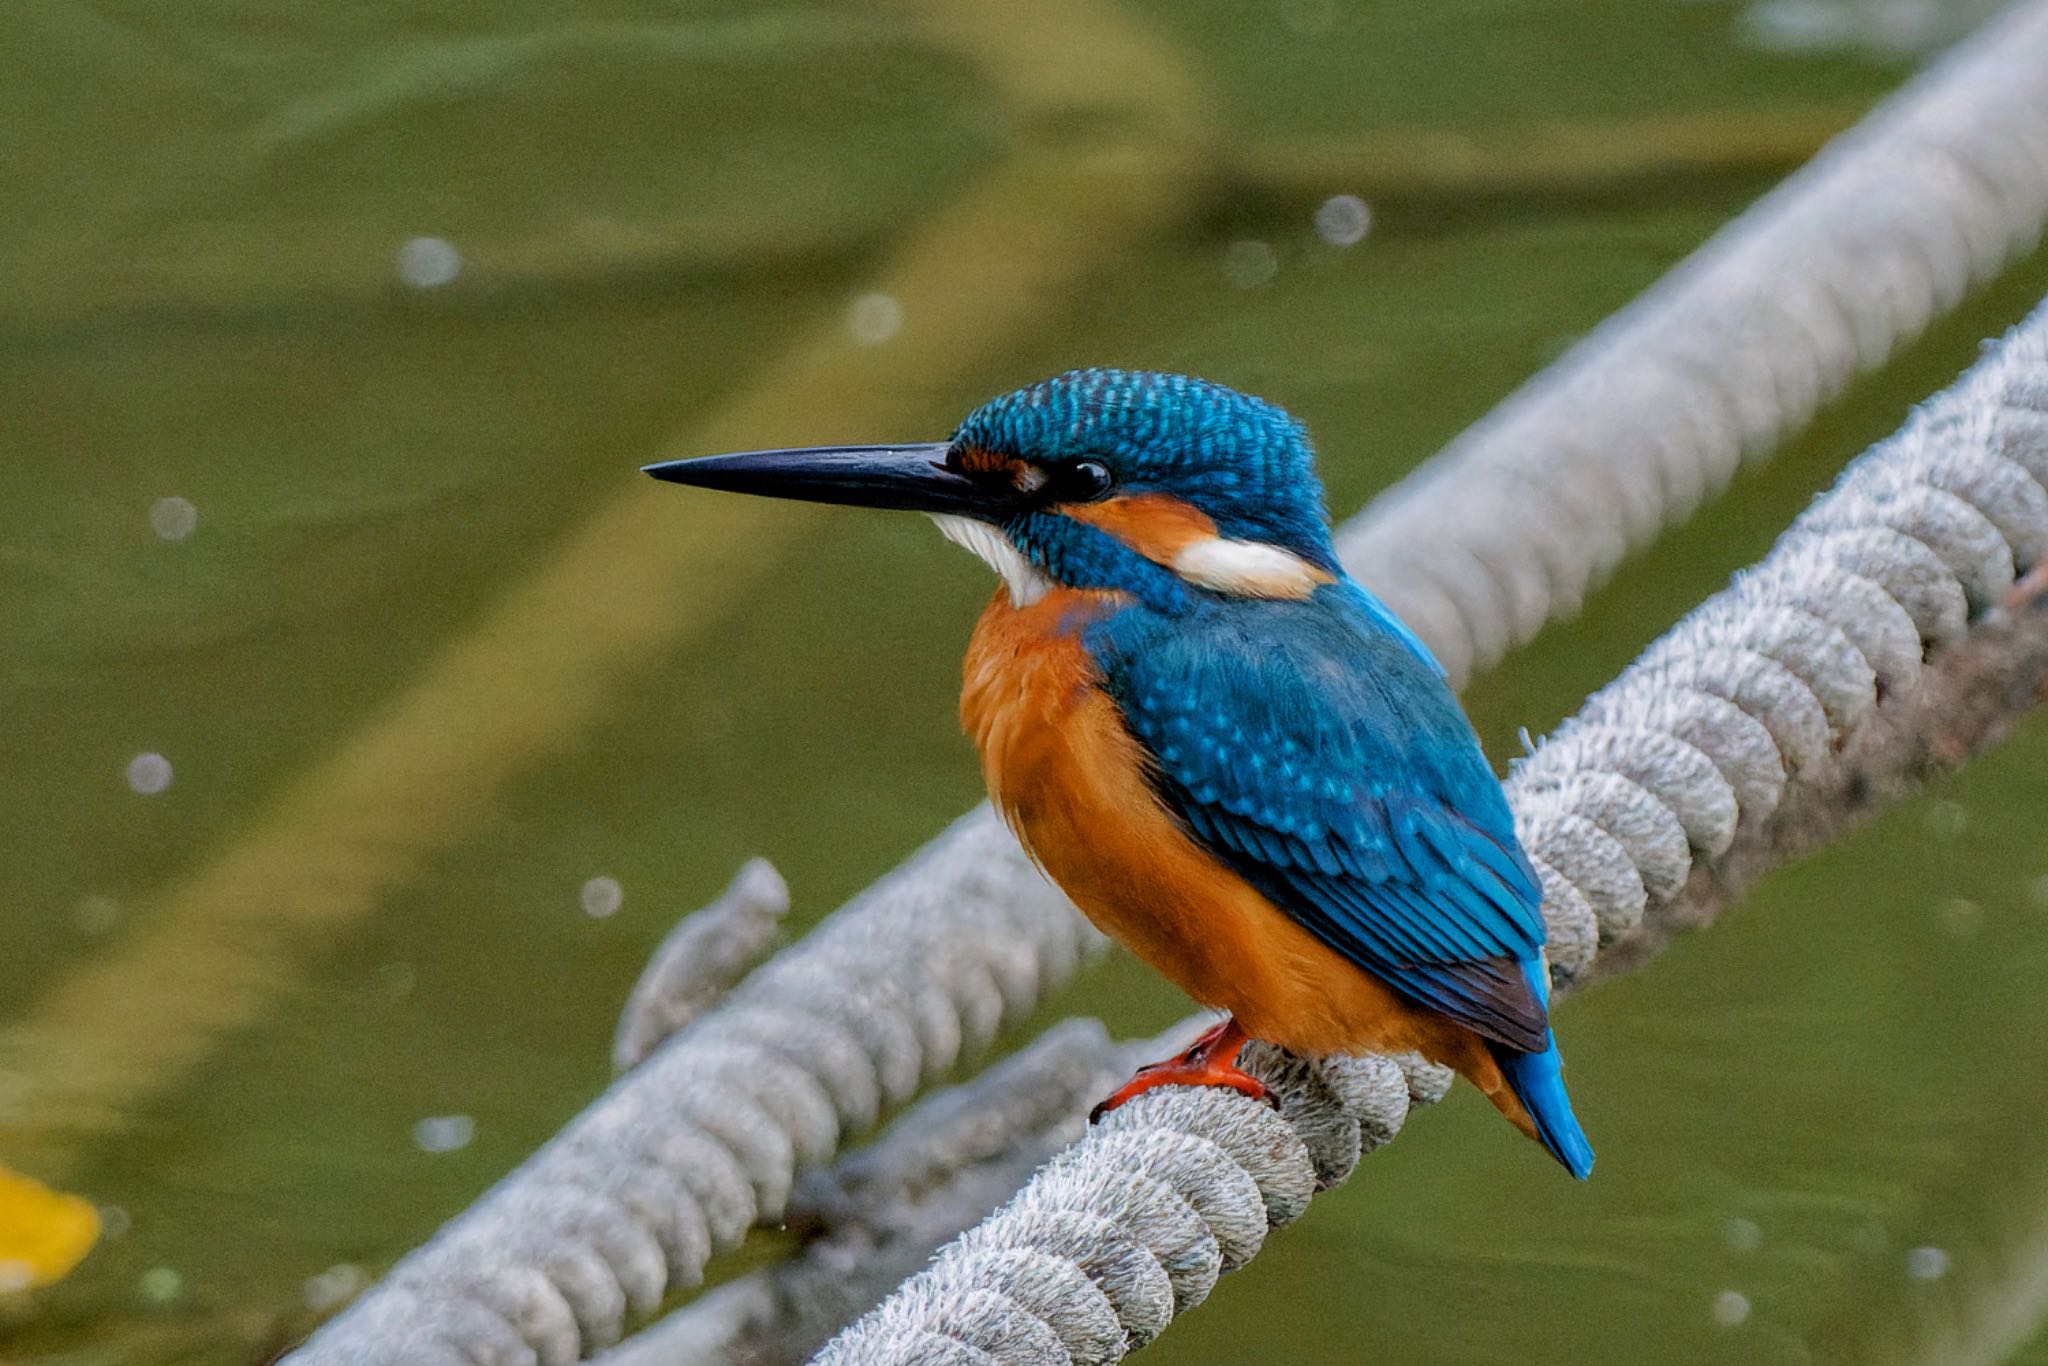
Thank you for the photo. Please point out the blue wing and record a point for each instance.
(1317, 752)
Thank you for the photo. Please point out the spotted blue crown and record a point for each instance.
(1242, 460)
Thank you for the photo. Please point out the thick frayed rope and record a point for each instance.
(1725, 721)
(1854, 254)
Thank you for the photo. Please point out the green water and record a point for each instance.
(199, 299)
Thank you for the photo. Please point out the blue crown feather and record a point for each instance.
(1243, 461)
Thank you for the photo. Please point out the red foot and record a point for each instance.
(1209, 1061)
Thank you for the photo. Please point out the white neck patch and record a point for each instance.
(1247, 569)
(1026, 584)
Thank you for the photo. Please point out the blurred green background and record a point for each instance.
(331, 337)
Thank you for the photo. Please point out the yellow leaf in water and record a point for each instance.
(43, 1233)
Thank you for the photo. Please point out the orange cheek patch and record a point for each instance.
(1156, 525)
(1182, 538)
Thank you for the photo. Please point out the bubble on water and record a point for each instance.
(335, 1286)
(149, 773)
(1927, 1263)
(114, 1222)
(602, 897)
(873, 319)
(1947, 819)
(428, 262)
(1731, 1309)
(1343, 220)
(444, 1133)
(1250, 263)
(15, 1276)
(1961, 917)
(1742, 1235)
(96, 915)
(173, 519)
(161, 1285)
(2037, 892)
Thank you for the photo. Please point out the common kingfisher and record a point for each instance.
(1234, 759)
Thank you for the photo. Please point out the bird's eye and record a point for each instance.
(1080, 481)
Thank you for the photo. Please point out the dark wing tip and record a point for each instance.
(1489, 996)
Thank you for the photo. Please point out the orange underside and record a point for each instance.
(1070, 780)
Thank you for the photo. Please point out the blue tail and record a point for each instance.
(1537, 1079)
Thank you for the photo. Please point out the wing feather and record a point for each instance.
(1320, 757)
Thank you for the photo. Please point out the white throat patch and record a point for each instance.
(1025, 583)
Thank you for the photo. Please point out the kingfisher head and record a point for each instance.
(1157, 485)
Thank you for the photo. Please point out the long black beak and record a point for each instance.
(911, 478)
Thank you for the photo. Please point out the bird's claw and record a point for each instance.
(1210, 1061)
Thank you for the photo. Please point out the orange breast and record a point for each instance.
(1070, 779)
